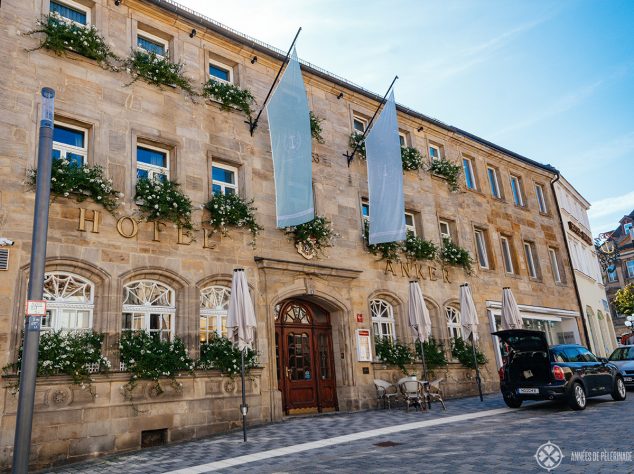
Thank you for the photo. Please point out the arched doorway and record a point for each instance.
(304, 356)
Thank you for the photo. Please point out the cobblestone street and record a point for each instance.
(469, 437)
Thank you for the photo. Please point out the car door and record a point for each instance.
(602, 372)
(587, 371)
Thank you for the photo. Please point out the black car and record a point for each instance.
(535, 371)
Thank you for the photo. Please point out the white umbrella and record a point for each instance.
(419, 320)
(511, 317)
(469, 321)
(241, 327)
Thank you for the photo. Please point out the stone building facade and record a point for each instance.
(587, 270)
(504, 214)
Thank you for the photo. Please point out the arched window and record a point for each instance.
(382, 319)
(453, 322)
(69, 302)
(149, 306)
(214, 304)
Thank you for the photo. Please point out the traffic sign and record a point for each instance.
(36, 308)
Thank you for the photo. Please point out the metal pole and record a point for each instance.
(244, 408)
(28, 371)
(367, 129)
(475, 361)
(254, 124)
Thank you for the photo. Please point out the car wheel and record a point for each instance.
(513, 402)
(577, 400)
(618, 392)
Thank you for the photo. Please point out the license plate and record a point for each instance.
(627, 379)
(528, 390)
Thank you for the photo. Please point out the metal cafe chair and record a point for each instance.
(413, 392)
(386, 392)
(433, 393)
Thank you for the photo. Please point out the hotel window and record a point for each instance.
(69, 302)
(481, 248)
(467, 165)
(454, 325)
(434, 152)
(359, 124)
(541, 199)
(507, 255)
(494, 182)
(365, 210)
(627, 228)
(382, 319)
(630, 269)
(149, 306)
(445, 229)
(71, 11)
(516, 187)
(410, 222)
(152, 162)
(554, 263)
(220, 72)
(152, 44)
(402, 138)
(70, 143)
(224, 179)
(612, 276)
(531, 264)
(214, 305)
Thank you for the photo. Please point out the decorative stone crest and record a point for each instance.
(307, 250)
(59, 397)
(229, 386)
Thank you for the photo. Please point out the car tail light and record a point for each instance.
(558, 373)
(501, 373)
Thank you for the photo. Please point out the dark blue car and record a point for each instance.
(535, 371)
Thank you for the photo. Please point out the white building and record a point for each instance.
(573, 208)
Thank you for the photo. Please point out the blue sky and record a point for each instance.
(552, 80)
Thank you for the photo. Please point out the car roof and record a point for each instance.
(563, 346)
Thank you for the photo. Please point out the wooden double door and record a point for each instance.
(305, 361)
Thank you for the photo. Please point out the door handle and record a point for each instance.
(288, 373)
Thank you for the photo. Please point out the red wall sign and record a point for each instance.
(359, 317)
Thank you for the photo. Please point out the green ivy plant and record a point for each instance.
(448, 170)
(163, 200)
(434, 353)
(147, 357)
(315, 127)
(229, 96)
(388, 251)
(69, 179)
(61, 36)
(392, 352)
(312, 237)
(463, 352)
(158, 71)
(230, 210)
(416, 248)
(220, 354)
(624, 300)
(357, 140)
(68, 353)
(452, 254)
(412, 159)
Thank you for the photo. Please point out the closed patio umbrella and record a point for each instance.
(419, 320)
(511, 316)
(469, 321)
(241, 327)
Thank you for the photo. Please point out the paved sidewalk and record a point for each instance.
(290, 431)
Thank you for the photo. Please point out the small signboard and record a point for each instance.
(359, 317)
(36, 308)
(364, 346)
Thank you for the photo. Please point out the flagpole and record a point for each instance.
(367, 129)
(253, 124)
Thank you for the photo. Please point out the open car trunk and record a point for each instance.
(528, 360)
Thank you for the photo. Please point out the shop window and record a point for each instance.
(494, 182)
(152, 44)
(71, 11)
(214, 306)
(220, 71)
(224, 179)
(454, 325)
(382, 314)
(469, 175)
(531, 262)
(70, 143)
(507, 255)
(516, 188)
(481, 241)
(149, 306)
(69, 302)
(152, 162)
(541, 199)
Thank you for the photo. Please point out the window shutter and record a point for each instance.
(4, 259)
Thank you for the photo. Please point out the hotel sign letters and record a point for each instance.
(416, 270)
(581, 234)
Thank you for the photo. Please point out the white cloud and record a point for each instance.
(605, 213)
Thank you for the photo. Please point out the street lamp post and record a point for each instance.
(28, 370)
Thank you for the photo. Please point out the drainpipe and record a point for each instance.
(574, 279)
